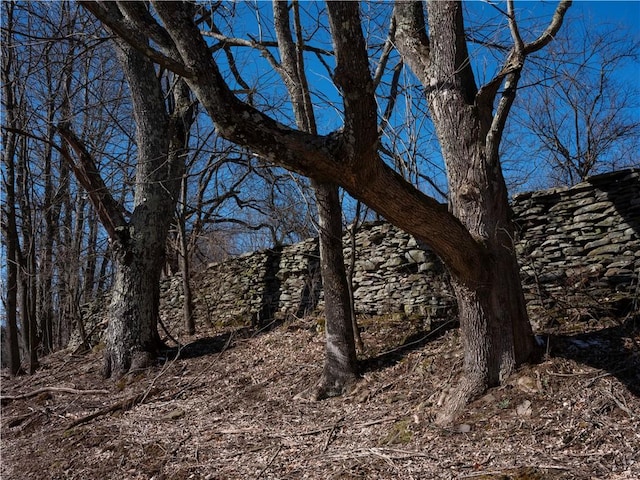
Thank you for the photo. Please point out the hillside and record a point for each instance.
(225, 409)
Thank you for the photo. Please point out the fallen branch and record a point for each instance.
(35, 393)
(123, 405)
(330, 436)
(273, 457)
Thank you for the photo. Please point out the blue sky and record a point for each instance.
(627, 12)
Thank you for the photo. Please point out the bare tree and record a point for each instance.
(58, 77)
(139, 243)
(340, 367)
(9, 227)
(495, 328)
(473, 235)
(580, 114)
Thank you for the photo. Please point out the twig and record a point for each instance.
(574, 374)
(619, 403)
(376, 422)
(124, 405)
(37, 392)
(273, 457)
(421, 339)
(329, 437)
(314, 432)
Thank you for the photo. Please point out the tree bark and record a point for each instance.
(9, 227)
(27, 285)
(340, 363)
(139, 249)
(185, 264)
(495, 328)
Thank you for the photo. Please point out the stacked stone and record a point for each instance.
(578, 247)
(395, 273)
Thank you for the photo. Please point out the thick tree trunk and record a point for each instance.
(494, 324)
(139, 246)
(132, 336)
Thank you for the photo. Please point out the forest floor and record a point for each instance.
(225, 409)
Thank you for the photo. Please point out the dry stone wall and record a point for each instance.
(579, 249)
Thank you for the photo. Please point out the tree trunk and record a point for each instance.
(183, 254)
(27, 260)
(10, 233)
(139, 250)
(494, 325)
(132, 336)
(8, 223)
(353, 231)
(340, 364)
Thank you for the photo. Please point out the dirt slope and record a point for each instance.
(225, 410)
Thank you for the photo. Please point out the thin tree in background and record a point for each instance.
(340, 365)
(9, 227)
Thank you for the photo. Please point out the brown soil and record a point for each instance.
(224, 409)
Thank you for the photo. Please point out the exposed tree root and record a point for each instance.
(328, 387)
(454, 404)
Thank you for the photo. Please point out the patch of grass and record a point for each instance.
(399, 434)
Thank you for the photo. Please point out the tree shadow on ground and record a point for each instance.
(208, 345)
(615, 350)
(415, 341)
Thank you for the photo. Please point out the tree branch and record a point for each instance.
(108, 209)
(550, 32)
(324, 158)
(111, 17)
(353, 78)
(411, 38)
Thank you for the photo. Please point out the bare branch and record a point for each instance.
(353, 78)
(108, 209)
(386, 51)
(550, 33)
(109, 15)
(411, 38)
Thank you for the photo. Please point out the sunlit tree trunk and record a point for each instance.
(139, 250)
(495, 328)
(340, 364)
